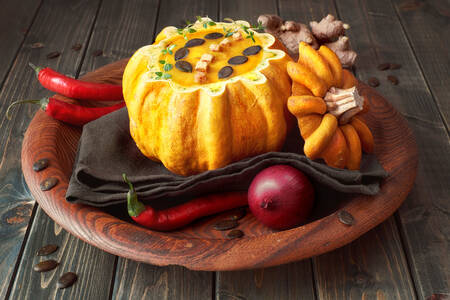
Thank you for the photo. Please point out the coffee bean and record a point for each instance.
(225, 72)
(37, 45)
(66, 280)
(393, 79)
(235, 234)
(439, 297)
(53, 54)
(225, 225)
(238, 214)
(48, 183)
(395, 66)
(77, 47)
(213, 35)
(183, 66)
(181, 53)
(194, 42)
(45, 265)
(384, 66)
(373, 82)
(97, 53)
(252, 50)
(46, 250)
(40, 164)
(345, 218)
(238, 60)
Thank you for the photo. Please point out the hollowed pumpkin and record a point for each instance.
(193, 127)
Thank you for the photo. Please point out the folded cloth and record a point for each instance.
(106, 150)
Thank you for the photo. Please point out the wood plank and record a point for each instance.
(122, 27)
(377, 36)
(426, 23)
(291, 281)
(54, 19)
(142, 281)
(17, 17)
(337, 275)
(133, 25)
(369, 268)
(94, 267)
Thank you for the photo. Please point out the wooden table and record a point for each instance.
(406, 257)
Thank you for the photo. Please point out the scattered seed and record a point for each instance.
(181, 53)
(46, 250)
(45, 265)
(40, 164)
(97, 53)
(37, 45)
(346, 218)
(48, 183)
(225, 72)
(384, 66)
(393, 79)
(252, 50)
(194, 42)
(66, 280)
(395, 66)
(238, 214)
(373, 82)
(213, 35)
(53, 54)
(183, 66)
(225, 225)
(77, 47)
(238, 60)
(235, 234)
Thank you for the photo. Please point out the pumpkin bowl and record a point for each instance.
(198, 246)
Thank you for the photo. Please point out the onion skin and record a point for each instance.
(281, 197)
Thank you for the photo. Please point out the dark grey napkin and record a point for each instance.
(106, 150)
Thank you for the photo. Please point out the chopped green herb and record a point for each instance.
(167, 76)
(162, 62)
(168, 67)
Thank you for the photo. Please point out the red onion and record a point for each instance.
(281, 197)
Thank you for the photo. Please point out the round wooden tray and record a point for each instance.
(198, 246)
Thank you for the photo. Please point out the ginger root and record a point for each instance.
(329, 31)
(342, 49)
(290, 33)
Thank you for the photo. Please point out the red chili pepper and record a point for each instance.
(77, 89)
(181, 215)
(69, 113)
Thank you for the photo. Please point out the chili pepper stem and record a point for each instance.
(134, 206)
(35, 68)
(42, 102)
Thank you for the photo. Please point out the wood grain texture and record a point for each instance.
(53, 19)
(291, 281)
(142, 281)
(93, 266)
(427, 26)
(377, 36)
(395, 148)
(335, 272)
(247, 10)
(121, 28)
(17, 18)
